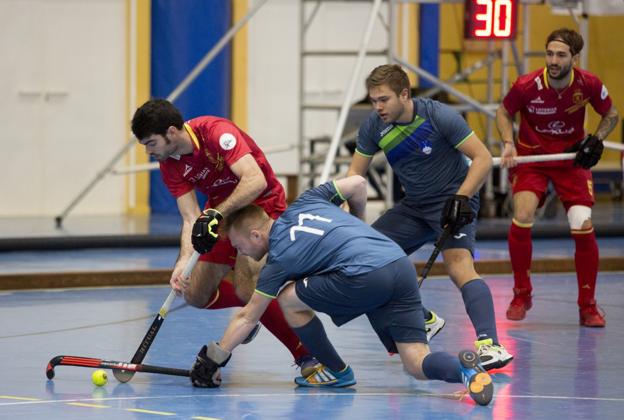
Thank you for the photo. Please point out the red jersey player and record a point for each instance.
(552, 103)
(214, 156)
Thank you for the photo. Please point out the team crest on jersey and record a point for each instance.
(577, 96)
(227, 141)
(425, 146)
(216, 162)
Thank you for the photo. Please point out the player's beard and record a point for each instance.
(563, 72)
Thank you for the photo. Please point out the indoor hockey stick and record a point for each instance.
(437, 247)
(109, 364)
(124, 375)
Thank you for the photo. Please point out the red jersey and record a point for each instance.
(218, 144)
(552, 120)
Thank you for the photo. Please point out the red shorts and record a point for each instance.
(224, 253)
(573, 184)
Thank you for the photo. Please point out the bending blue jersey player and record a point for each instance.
(427, 143)
(321, 258)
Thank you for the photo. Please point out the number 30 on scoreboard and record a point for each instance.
(490, 19)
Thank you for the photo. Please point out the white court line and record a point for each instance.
(313, 394)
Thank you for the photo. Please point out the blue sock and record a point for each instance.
(313, 336)
(442, 366)
(480, 308)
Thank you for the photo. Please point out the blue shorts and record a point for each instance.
(411, 227)
(389, 297)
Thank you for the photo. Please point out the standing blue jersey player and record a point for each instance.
(320, 258)
(427, 143)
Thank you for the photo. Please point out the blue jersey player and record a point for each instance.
(427, 143)
(321, 258)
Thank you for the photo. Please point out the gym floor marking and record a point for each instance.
(77, 404)
(160, 413)
(10, 397)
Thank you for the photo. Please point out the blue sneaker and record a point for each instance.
(325, 377)
(476, 379)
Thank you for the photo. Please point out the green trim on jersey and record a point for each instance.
(399, 133)
(363, 154)
(464, 139)
(264, 294)
(338, 193)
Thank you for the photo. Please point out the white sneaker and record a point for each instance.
(492, 356)
(434, 325)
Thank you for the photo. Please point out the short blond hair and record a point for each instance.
(245, 219)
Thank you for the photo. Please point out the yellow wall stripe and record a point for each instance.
(142, 94)
(239, 66)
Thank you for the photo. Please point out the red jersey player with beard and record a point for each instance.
(214, 156)
(552, 103)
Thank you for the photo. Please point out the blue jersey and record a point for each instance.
(314, 236)
(423, 153)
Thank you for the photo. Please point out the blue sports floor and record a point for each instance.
(559, 369)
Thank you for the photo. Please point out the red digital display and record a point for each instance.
(490, 19)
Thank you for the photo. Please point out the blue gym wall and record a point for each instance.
(183, 31)
(429, 41)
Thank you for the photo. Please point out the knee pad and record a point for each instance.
(577, 216)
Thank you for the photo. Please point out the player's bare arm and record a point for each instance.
(353, 189)
(359, 165)
(481, 165)
(189, 210)
(504, 123)
(250, 185)
(607, 123)
(245, 320)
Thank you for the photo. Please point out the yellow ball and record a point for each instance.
(99, 378)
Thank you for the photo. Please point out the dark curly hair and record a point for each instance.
(155, 117)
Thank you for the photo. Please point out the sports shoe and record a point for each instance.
(476, 379)
(252, 334)
(591, 316)
(519, 305)
(434, 325)
(325, 377)
(307, 364)
(492, 356)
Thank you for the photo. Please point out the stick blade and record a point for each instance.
(122, 376)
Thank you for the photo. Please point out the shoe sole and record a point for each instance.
(480, 387)
(332, 385)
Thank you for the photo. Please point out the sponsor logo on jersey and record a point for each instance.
(305, 282)
(541, 111)
(227, 141)
(201, 175)
(555, 128)
(385, 130)
(224, 181)
(187, 168)
(537, 100)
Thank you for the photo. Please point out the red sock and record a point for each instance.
(520, 252)
(586, 260)
(224, 297)
(273, 319)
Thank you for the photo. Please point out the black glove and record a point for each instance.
(205, 230)
(206, 371)
(589, 151)
(456, 213)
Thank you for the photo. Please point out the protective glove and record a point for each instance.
(206, 371)
(205, 229)
(456, 213)
(588, 151)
